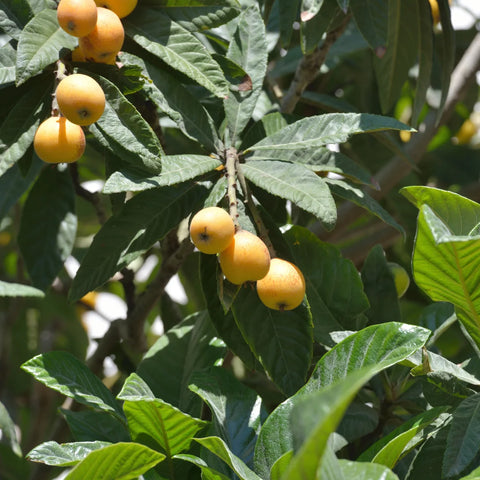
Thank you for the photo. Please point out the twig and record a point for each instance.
(231, 164)
(309, 67)
(462, 78)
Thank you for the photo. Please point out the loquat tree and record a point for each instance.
(306, 172)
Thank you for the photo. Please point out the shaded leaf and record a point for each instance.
(7, 428)
(288, 14)
(208, 473)
(371, 17)
(8, 289)
(8, 57)
(14, 16)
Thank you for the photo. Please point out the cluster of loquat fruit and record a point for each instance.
(80, 99)
(244, 257)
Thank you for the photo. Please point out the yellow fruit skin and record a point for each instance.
(246, 259)
(77, 17)
(466, 132)
(104, 42)
(212, 230)
(283, 288)
(59, 141)
(77, 54)
(121, 7)
(80, 99)
(435, 11)
(400, 277)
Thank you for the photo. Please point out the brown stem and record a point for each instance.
(309, 67)
(231, 165)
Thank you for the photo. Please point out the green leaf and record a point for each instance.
(320, 130)
(362, 199)
(371, 17)
(281, 465)
(8, 289)
(218, 447)
(283, 344)
(20, 124)
(425, 58)
(309, 9)
(170, 362)
(445, 260)
(366, 471)
(374, 348)
(39, 45)
(392, 68)
(199, 15)
(64, 373)
(224, 322)
(208, 473)
(63, 455)
(248, 48)
(8, 57)
(159, 425)
(160, 209)
(125, 132)
(176, 101)
(13, 185)
(380, 288)
(7, 428)
(13, 17)
(288, 14)
(122, 461)
(92, 425)
(390, 448)
(48, 226)
(334, 289)
(175, 169)
(237, 410)
(474, 475)
(447, 51)
(177, 47)
(296, 183)
(441, 388)
(463, 437)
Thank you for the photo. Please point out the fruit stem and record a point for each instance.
(262, 229)
(231, 164)
(60, 74)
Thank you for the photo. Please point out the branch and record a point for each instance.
(462, 78)
(231, 163)
(309, 67)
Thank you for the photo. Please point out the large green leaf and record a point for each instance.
(8, 289)
(20, 124)
(380, 288)
(425, 58)
(463, 437)
(197, 15)
(63, 455)
(359, 197)
(223, 321)
(475, 475)
(218, 447)
(175, 169)
(8, 57)
(237, 410)
(176, 101)
(288, 13)
(401, 51)
(14, 16)
(154, 422)
(376, 347)
(63, 372)
(366, 471)
(170, 362)
(162, 208)
(371, 19)
(390, 448)
(48, 226)
(122, 461)
(125, 132)
(296, 183)
(9, 434)
(248, 49)
(334, 289)
(39, 45)
(320, 130)
(445, 260)
(281, 341)
(177, 47)
(208, 473)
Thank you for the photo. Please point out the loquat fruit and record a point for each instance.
(245, 259)
(211, 230)
(80, 99)
(400, 277)
(283, 287)
(77, 54)
(77, 17)
(104, 42)
(121, 7)
(58, 140)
